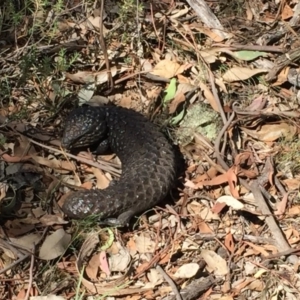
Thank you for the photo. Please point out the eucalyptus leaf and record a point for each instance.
(170, 91)
(249, 55)
(177, 118)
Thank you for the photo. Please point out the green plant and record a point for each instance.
(63, 63)
(129, 9)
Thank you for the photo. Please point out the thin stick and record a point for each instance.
(30, 275)
(170, 282)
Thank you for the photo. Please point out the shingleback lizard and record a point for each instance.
(148, 163)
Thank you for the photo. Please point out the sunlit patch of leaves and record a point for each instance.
(289, 156)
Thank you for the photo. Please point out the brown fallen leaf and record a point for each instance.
(144, 243)
(179, 98)
(282, 77)
(102, 180)
(17, 227)
(232, 181)
(257, 104)
(97, 77)
(215, 263)
(206, 31)
(229, 176)
(54, 163)
(168, 68)
(272, 132)
(204, 228)
(82, 77)
(295, 210)
(281, 206)
(187, 270)
(240, 73)
(292, 235)
(257, 248)
(92, 267)
(292, 183)
(218, 207)
(103, 263)
(287, 12)
(209, 96)
(13, 159)
(220, 179)
(50, 220)
(229, 242)
(55, 245)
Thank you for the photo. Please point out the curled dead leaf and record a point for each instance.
(110, 286)
(272, 132)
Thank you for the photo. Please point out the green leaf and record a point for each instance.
(249, 55)
(177, 118)
(170, 91)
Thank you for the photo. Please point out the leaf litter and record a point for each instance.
(231, 228)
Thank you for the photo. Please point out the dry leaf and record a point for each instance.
(272, 132)
(168, 68)
(102, 76)
(257, 104)
(292, 183)
(18, 227)
(207, 214)
(48, 297)
(215, 263)
(239, 73)
(27, 241)
(187, 271)
(55, 245)
(14, 159)
(104, 266)
(54, 163)
(222, 178)
(82, 77)
(231, 201)
(282, 77)
(179, 98)
(287, 12)
(209, 96)
(258, 248)
(232, 181)
(155, 278)
(206, 31)
(102, 180)
(91, 77)
(144, 244)
(218, 207)
(229, 242)
(92, 267)
(119, 261)
(50, 220)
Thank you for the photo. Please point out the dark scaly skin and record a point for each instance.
(148, 163)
